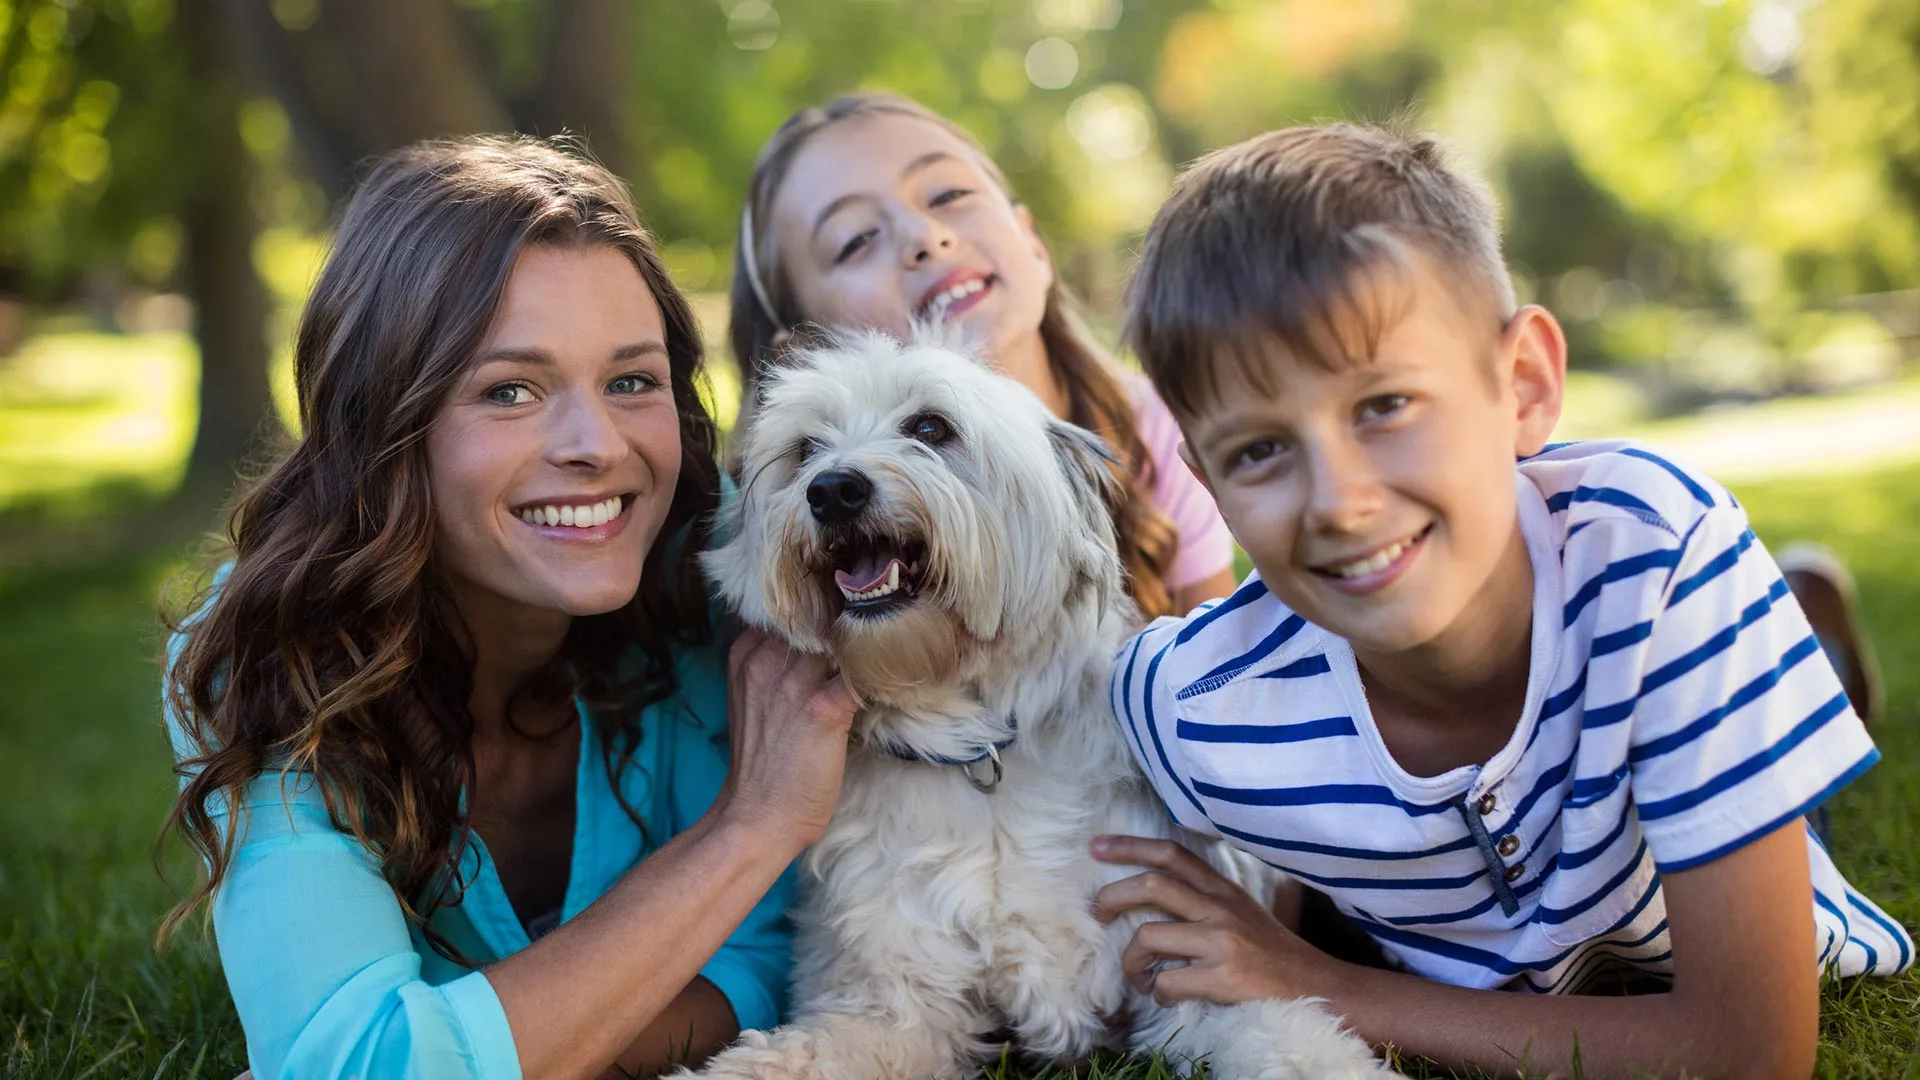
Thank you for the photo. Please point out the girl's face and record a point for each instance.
(554, 460)
(886, 218)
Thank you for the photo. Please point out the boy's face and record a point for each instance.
(1377, 500)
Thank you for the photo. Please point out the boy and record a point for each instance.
(1547, 727)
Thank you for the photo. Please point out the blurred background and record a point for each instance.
(1720, 198)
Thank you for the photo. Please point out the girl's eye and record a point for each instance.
(852, 247)
(930, 429)
(951, 195)
(509, 394)
(637, 383)
(1382, 406)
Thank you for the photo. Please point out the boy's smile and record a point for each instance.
(1376, 497)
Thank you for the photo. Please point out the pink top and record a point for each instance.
(1204, 548)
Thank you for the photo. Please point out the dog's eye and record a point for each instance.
(806, 448)
(929, 428)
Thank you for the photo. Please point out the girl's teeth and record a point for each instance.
(938, 308)
(578, 517)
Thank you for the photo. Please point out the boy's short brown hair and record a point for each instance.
(1298, 236)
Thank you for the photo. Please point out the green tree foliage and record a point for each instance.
(96, 126)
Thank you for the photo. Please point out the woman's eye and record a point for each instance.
(852, 247)
(929, 429)
(1382, 406)
(636, 383)
(951, 195)
(509, 394)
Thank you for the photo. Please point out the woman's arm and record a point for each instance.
(1744, 1003)
(327, 982)
(586, 992)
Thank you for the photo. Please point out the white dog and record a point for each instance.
(928, 524)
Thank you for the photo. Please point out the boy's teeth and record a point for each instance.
(578, 517)
(1372, 564)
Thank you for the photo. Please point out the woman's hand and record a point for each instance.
(789, 715)
(1233, 946)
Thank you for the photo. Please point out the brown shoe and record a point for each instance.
(1826, 592)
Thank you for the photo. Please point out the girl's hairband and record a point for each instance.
(753, 265)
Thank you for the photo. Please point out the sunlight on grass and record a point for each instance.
(82, 411)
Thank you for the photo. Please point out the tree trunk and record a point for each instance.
(590, 52)
(230, 307)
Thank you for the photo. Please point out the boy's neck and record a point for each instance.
(1456, 700)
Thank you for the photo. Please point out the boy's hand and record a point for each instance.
(1233, 947)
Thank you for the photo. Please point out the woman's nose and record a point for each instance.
(584, 435)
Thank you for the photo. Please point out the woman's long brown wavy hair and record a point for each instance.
(330, 647)
(1096, 398)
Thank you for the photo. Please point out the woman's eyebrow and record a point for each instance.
(542, 358)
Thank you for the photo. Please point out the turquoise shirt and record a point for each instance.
(329, 978)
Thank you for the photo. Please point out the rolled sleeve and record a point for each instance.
(323, 970)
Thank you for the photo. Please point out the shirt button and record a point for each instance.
(1486, 804)
(1508, 845)
(1514, 873)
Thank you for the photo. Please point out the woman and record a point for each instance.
(874, 211)
(452, 722)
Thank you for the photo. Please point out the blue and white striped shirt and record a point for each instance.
(1678, 707)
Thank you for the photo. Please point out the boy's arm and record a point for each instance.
(1744, 1003)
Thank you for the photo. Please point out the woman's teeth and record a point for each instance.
(937, 307)
(579, 517)
(1373, 563)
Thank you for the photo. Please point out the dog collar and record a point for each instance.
(991, 755)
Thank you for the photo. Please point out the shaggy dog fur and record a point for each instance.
(928, 524)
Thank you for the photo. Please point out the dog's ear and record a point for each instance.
(1092, 470)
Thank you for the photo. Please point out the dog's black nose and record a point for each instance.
(838, 496)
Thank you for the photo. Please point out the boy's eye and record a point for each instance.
(1254, 453)
(951, 195)
(511, 393)
(1382, 406)
(638, 382)
(852, 247)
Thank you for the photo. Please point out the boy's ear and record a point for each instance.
(1535, 348)
(1193, 466)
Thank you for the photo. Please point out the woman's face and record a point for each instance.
(554, 460)
(885, 218)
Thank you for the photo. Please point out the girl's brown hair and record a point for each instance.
(330, 646)
(763, 307)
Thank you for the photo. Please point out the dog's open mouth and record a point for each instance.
(876, 574)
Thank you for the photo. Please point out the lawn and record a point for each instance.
(84, 763)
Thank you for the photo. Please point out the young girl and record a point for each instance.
(873, 211)
(452, 720)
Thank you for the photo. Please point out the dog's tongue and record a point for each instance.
(869, 569)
